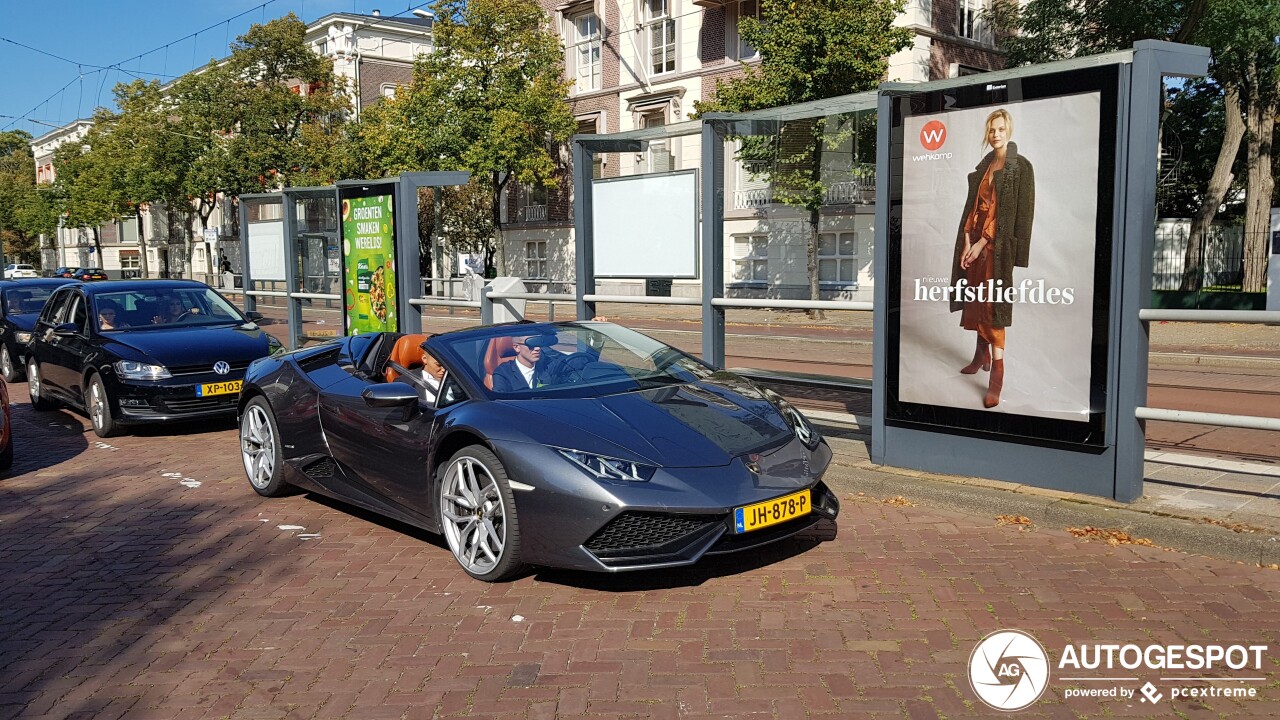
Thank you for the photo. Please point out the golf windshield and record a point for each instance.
(162, 307)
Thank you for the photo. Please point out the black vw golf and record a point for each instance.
(142, 351)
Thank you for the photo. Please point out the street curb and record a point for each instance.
(1049, 509)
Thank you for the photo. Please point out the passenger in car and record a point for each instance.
(107, 318)
(428, 378)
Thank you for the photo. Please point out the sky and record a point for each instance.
(103, 42)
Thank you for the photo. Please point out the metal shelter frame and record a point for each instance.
(405, 188)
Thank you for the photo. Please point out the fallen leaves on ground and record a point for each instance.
(1110, 537)
(898, 501)
(1022, 522)
(1232, 526)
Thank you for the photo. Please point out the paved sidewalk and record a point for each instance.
(142, 578)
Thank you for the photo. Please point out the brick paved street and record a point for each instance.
(142, 578)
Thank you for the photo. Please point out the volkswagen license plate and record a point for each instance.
(771, 512)
(219, 388)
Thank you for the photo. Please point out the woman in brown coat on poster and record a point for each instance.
(994, 237)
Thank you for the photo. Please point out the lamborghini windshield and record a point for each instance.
(565, 360)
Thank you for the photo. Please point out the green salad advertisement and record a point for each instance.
(368, 255)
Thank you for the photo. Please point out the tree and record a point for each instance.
(275, 108)
(808, 51)
(466, 219)
(1246, 66)
(489, 99)
(1041, 31)
(25, 211)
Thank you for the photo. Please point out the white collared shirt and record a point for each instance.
(527, 372)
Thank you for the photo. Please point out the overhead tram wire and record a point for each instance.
(227, 33)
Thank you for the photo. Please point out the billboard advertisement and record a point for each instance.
(1000, 272)
(368, 262)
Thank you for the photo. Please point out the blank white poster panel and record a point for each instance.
(266, 250)
(646, 225)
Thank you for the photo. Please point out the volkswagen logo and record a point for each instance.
(222, 367)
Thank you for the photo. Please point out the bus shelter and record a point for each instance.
(1064, 220)
(338, 259)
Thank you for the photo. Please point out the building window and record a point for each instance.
(741, 48)
(660, 31)
(389, 90)
(837, 257)
(264, 212)
(751, 258)
(658, 158)
(590, 126)
(535, 260)
(585, 54)
(532, 204)
(130, 261)
(973, 22)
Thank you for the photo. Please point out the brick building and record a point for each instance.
(644, 63)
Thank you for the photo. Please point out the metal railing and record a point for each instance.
(860, 189)
(533, 213)
(1251, 422)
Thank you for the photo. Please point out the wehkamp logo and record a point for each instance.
(933, 135)
(1009, 670)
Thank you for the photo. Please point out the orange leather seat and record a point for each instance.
(500, 350)
(407, 353)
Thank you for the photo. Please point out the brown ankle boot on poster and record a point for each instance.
(997, 384)
(981, 359)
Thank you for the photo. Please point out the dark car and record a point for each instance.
(142, 351)
(65, 272)
(6, 433)
(20, 304)
(624, 454)
(89, 274)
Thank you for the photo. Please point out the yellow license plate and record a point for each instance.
(222, 388)
(771, 512)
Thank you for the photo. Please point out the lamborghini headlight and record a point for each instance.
(804, 430)
(130, 370)
(606, 468)
(274, 345)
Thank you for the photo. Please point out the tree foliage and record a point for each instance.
(1245, 72)
(275, 108)
(25, 209)
(1041, 31)
(808, 51)
(489, 99)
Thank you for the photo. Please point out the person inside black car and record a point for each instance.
(172, 310)
(109, 317)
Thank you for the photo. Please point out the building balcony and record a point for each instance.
(860, 190)
(532, 213)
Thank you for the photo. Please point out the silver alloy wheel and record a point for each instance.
(6, 362)
(472, 515)
(257, 447)
(97, 404)
(33, 380)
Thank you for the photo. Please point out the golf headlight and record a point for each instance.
(607, 468)
(22, 336)
(130, 370)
